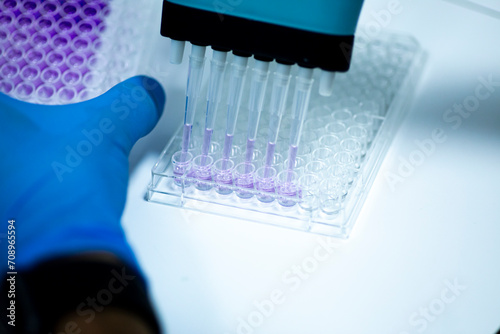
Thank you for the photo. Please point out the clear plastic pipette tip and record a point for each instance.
(258, 86)
(303, 85)
(195, 75)
(217, 67)
(236, 83)
(281, 82)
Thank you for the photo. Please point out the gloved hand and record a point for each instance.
(64, 171)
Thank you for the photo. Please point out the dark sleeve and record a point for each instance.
(70, 286)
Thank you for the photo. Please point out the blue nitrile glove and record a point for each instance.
(64, 171)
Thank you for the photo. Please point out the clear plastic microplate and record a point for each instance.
(343, 142)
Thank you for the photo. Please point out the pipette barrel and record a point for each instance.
(176, 51)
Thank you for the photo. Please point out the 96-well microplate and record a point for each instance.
(343, 142)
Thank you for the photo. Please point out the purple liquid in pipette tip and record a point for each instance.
(228, 144)
(270, 153)
(249, 152)
(207, 138)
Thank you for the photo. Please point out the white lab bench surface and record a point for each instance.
(424, 255)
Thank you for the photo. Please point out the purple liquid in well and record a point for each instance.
(245, 181)
(54, 36)
(181, 163)
(288, 189)
(204, 173)
(228, 144)
(249, 152)
(180, 169)
(266, 185)
(224, 177)
(207, 138)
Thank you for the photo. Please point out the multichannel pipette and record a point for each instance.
(313, 33)
(257, 91)
(217, 66)
(236, 82)
(195, 75)
(281, 82)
